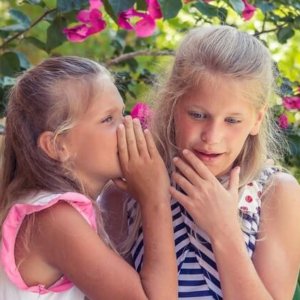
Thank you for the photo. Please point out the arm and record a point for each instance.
(148, 182)
(276, 260)
(272, 273)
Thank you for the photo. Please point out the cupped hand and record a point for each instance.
(212, 206)
(144, 171)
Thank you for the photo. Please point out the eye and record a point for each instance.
(107, 119)
(232, 120)
(197, 115)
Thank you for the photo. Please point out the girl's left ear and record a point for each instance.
(53, 147)
(259, 118)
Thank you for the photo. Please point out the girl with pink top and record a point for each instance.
(66, 137)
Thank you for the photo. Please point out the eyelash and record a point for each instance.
(201, 116)
(232, 121)
(197, 115)
(107, 119)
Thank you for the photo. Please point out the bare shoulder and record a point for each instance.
(282, 191)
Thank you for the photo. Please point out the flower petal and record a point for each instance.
(77, 33)
(145, 27)
(248, 11)
(95, 4)
(154, 9)
(143, 112)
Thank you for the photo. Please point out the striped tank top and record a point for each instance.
(198, 276)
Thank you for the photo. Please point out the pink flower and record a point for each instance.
(248, 11)
(283, 121)
(92, 23)
(291, 102)
(145, 26)
(143, 112)
(154, 9)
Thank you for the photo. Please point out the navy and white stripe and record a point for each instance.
(198, 276)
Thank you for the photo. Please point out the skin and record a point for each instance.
(61, 232)
(212, 123)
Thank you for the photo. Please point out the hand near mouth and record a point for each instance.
(212, 206)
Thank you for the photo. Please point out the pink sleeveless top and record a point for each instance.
(12, 285)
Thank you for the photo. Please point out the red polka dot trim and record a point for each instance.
(248, 198)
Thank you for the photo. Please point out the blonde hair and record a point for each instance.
(218, 51)
(48, 97)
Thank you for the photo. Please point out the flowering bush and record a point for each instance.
(288, 117)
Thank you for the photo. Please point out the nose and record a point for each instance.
(212, 133)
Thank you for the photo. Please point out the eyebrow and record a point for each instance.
(196, 107)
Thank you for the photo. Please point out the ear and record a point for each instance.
(259, 118)
(53, 146)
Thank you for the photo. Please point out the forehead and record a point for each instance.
(218, 94)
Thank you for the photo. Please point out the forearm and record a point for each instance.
(239, 278)
(159, 270)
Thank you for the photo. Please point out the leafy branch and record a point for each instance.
(38, 20)
(130, 55)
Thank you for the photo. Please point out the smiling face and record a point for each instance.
(92, 142)
(213, 120)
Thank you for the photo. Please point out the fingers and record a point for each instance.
(121, 184)
(130, 137)
(197, 165)
(122, 146)
(187, 171)
(150, 143)
(180, 197)
(183, 182)
(234, 180)
(140, 138)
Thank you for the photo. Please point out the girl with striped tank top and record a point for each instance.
(65, 138)
(235, 214)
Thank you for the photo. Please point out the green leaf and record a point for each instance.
(207, 9)
(22, 21)
(65, 6)
(265, 6)
(119, 6)
(9, 64)
(55, 36)
(169, 8)
(284, 34)
(297, 22)
(109, 10)
(24, 63)
(237, 5)
(35, 2)
(8, 81)
(36, 42)
(294, 143)
(141, 5)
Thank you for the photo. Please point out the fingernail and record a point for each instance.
(185, 151)
(121, 126)
(175, 159)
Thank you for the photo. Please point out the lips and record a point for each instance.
(207, 156)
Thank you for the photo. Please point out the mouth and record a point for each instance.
(207, 156)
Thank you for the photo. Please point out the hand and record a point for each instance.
(213, 208)
(145, 174)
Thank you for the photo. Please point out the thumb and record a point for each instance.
(234, 180)
(121, 184)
